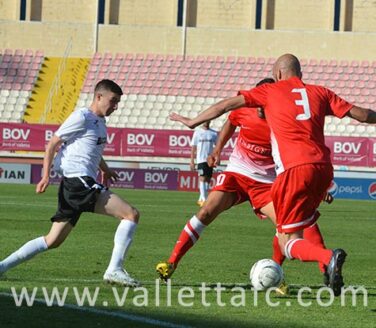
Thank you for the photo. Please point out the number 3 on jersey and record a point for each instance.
(303, 102)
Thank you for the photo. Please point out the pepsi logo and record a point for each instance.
(333, 189)
(372, 190)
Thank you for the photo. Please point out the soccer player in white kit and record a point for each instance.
(203, 142)
(82, 138)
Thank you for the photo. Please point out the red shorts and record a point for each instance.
(257, 193)
(297, 193)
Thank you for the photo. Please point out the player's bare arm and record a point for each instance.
(193, 156)
(224, 135)
(108, 175)
(51, 149)
(363, 115)
(212, 112)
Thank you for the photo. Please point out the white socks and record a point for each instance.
(122, 241)
(204, 190)
(26, 252)
(194, 228)
(197, 225)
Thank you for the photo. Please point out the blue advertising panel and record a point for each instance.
(353, 188)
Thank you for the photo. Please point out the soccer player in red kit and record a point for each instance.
(247, 177)
(252, 154)
(295, 113)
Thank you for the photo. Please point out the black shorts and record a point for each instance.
(76, 195)
(204, 170)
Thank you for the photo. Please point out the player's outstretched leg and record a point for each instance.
(58, 233)
(313, 234)
(188, 237)
(115, 273)
(334, 270)
(110, 204)
(218, 201)
(333, 259)
(278, 257)
(24, 253)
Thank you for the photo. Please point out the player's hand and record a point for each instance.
(42, 185)
(182, 119)
(192, 166)
(328, 198)
(109, 177)
(213, 159)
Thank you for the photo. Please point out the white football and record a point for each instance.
(265, 274)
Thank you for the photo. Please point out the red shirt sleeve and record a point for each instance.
(255, 97)
(232, 118)
(337, 106)
(235, 116)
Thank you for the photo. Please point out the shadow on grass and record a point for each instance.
(40, 315)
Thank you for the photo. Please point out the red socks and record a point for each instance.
(313, 235)
(307, 252)
(189, 235)
(278, 257)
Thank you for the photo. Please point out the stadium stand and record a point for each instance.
(18, 72)
(155, 84)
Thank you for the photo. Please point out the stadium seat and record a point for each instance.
(360, 129)
(371, 130)
(123, 121)
(7, 114)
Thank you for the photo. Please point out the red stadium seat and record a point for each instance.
(333, 63)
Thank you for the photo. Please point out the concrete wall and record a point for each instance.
(319, 44)
(10, 9)
(364, 15)
(227, 14)
(52, 38)
(139, 39)
(82, 11)
(303, 15)
(146, 12)
(216, 27)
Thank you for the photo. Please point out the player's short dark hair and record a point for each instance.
(260, 111)
(264, 81)
(108, 85)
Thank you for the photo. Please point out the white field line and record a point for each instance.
(28, 204)
(54, 204)
(115, 314)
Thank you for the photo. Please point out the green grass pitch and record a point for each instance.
(224, 254)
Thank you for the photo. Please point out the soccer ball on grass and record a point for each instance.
(265, 274)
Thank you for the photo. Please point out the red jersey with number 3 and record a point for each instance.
(296, 112)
